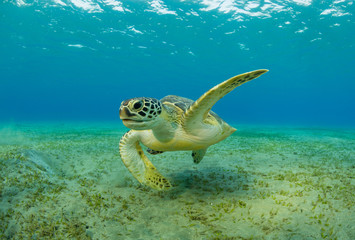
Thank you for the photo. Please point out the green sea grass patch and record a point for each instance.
(70, 183)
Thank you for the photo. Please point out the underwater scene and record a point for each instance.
(157, 119)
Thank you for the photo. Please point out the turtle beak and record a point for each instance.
(132, 121)
(125, 113)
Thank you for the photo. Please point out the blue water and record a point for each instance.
(77, 59)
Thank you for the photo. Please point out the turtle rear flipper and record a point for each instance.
(139, 165)
(198, 111)
(198, 155)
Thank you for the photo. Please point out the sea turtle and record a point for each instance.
(172, 124)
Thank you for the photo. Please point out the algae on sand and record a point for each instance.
(69, 182)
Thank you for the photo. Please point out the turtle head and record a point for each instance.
(140, 113)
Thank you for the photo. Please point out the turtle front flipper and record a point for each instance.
(198, 155)
(198, 111)
(138, 164)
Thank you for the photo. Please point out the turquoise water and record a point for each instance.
(77, 60)
(287, 173)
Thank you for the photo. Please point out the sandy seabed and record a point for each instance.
(68, 182)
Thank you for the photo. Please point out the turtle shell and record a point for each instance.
(184, 104)
(180, 102)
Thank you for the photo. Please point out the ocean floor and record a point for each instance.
(68, 182)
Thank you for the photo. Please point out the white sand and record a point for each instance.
(67, 181)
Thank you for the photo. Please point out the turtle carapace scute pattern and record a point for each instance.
(173, 124)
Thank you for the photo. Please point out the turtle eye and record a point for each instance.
(137, 105)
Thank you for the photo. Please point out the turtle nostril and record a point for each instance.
(125, 102)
